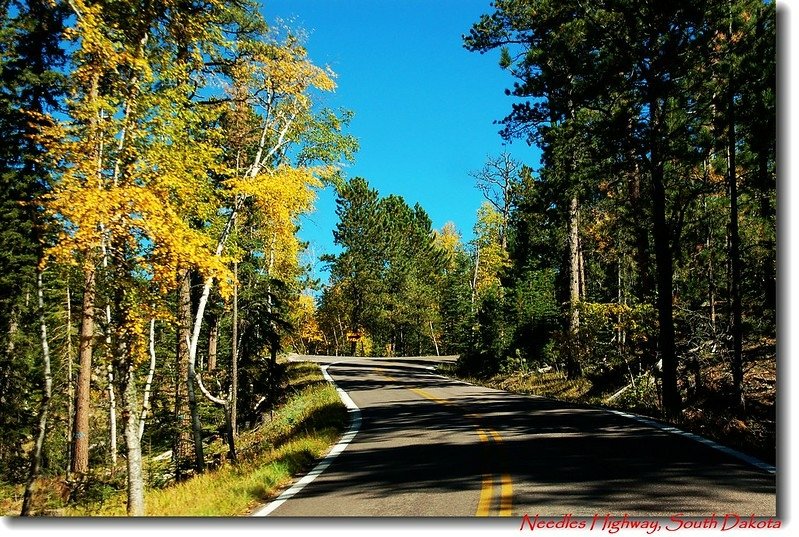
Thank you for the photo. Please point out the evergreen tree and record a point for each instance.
(31, 87)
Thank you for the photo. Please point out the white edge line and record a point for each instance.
(757, 463)
(702, 440)
(354, 426)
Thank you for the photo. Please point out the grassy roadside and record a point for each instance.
(300, 430)
(548, 384)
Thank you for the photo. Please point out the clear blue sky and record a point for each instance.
(424, 106)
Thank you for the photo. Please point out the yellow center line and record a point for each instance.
(486, 493)
(506, 496)
(506, 487)
(487, 484)
(429, 396)
(376, 371)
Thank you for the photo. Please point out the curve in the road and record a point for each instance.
(431, 446)
(487, 435)
(753, 461)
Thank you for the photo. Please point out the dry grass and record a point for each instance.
(549, 384)
(10, 499)
(707, 411)
(298, 432)
(232, 490)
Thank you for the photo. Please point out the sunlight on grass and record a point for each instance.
(299, 432)
(549, 384)
(236, 490)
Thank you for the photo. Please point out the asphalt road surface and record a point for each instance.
(430, 446)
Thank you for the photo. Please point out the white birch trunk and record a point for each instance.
(145, 405)
(45, 405)
(112, 418)
(433, 335)
(70, 385)
(130, 413)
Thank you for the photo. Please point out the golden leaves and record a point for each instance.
(150, 157)
(163, 239)
(448, 241)
(635, 319)
(493, 257)
(303, 317)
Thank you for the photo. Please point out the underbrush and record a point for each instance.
(706, 398)
(309, 419)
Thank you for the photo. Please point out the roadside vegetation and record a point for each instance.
(156, 167)
(634, 265)
(308, 420)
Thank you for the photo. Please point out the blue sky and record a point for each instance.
(424, 106)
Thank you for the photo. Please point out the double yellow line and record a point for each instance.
(487, 489)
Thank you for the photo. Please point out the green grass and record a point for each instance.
(233, 489)
(10, 498)
(300, 431)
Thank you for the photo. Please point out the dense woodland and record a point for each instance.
(639, 254)
(157, 157)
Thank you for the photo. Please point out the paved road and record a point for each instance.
(430, 446)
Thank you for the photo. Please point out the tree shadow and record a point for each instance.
(561, 458)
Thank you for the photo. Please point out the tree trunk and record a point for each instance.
(643, 286)
(663, 263)
(435, 341)
(573, 368)
(80, 449)
(185, 444)
(341, 331)
(735, 254)
(231, 441)
(711, 281)
(474, 277)
(194, 375)
(580, 253)
(70, 385)
(5, 375)
(234, 356)
(36, 458)
(112, 401)
(145, 405)
(196, 426)
(213, 339)
(130, 411)
(112, 418)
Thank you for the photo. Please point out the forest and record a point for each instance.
(158, 156)
(636, 263)
(156, 159)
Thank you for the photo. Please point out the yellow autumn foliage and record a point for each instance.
(151, 182)
(303, 317)
(448, 240)
(493, 259)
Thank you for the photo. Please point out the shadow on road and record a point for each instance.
(563, 456)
